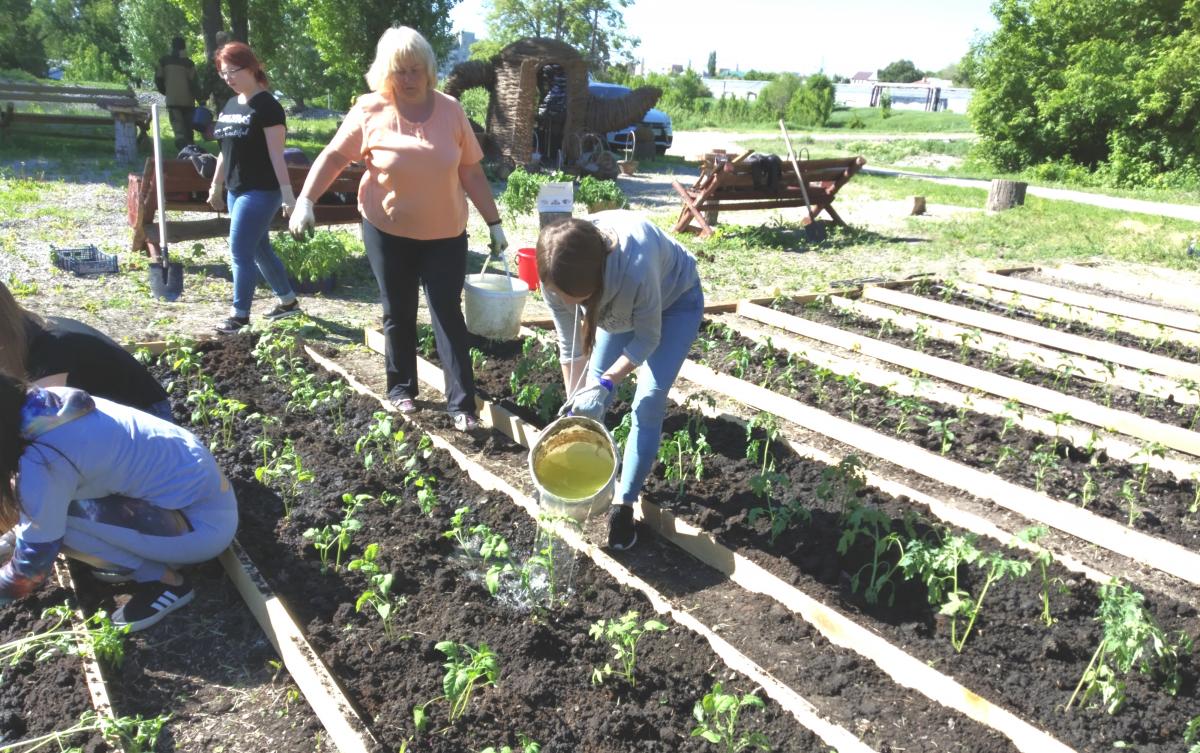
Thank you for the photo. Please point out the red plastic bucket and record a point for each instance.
(527, 267)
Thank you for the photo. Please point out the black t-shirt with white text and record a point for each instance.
(92, 361)
(239, 128)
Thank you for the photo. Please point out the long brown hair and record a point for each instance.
(239, 55)
(12, 445)
(14, 342)
(571, 255)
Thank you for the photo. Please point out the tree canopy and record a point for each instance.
(594, 27)
(1110, 85)
(900, 72)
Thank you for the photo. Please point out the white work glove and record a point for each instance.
(303, 218)
(591, 401)
(498, 243)
(289, 200)
(216, 196)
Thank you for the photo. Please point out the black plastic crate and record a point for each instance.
(87, 260)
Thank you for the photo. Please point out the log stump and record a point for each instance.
(1006, 194)
(918, 205)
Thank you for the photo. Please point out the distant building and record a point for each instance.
(919, 95)
(734, 87)
(862, 77)
(459, 54)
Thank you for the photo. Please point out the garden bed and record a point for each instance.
(545, 654)
(1031, 667)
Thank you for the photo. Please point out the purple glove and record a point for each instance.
(592, 400)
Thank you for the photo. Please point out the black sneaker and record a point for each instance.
(233, 325)
(622, 534)
(151, 603)
(284, 310)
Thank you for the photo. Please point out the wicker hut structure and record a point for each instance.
(516, 78)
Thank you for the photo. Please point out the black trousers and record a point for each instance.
(439, 266)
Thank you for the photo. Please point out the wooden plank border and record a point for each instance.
(1046, 358)
(1162, 555)
(1120, 354)
(93, 675)
(1174, 437)
(1080, 314)
(1118, 306)
(897, 382)
(1162, 292)
(840, 630)
(320, 689)
(801, 709)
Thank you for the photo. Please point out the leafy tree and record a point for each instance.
(147, 27)
(1107, 85)
(812, 104)
(594, 27)
(900, 72)
(85, 34)
(775, 97)
(20, 47)
(712, 64)
(756, 75)
(345, 34)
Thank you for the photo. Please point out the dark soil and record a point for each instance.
(1167, 348)
(40, 697)
(1119, 398)
(979, 440)
(545, 654)
(1013, 659)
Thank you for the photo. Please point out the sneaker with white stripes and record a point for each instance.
(151, 603)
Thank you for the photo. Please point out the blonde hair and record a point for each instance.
(398, 45)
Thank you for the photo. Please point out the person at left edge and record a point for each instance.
(123, 491)
(251, 129)
(421, 156)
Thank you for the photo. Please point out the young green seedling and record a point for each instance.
(623, 635)
(1043, 559)
(877, 526)
(96, 635)
(130, 734)
(716, 716)
(466, 669)
(942, 429)
(379, 595)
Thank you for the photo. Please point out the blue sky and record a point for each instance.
(792, 35)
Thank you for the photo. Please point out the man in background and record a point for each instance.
(176, 78)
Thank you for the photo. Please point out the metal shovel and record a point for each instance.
(813, 230)
(166, 277)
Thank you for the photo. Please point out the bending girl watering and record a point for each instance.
(624, 296)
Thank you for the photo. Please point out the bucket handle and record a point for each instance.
(487, 261)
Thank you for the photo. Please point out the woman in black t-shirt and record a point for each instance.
(251, 129)
(56, 351)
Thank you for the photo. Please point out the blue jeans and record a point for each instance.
(680, 323)
(250, 215)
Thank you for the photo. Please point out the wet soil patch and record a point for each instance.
(546, 656)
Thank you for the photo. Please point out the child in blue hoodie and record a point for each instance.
(124, 491)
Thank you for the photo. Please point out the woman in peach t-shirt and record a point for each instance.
(421, 156)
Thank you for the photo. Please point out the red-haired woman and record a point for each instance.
(251, 128)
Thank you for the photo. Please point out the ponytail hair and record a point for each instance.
(571, 255)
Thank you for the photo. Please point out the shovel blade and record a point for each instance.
(166, 282)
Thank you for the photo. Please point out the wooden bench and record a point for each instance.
(130, 121)
(728, 184)
(187, 191)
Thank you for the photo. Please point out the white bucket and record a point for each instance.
(583, 448)
(493, 303)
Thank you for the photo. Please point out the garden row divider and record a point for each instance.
(1126, 356)
(1162, 291)
(320, 689)
(1081, 314)
(1085, 367)
(1079, 435)
(840, 630)
(712, 308)
(1162, 555)
(1126, 309)
(93, 676)
(1174, 437)
(801, 709)
(941, 509)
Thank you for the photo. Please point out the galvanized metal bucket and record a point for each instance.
(580, 434)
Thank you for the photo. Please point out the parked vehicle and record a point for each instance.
(656, 120)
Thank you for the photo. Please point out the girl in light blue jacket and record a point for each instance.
(124, 491)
